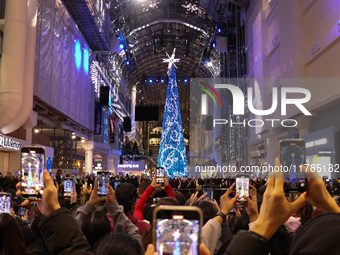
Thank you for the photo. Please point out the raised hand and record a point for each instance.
(317, 194)
(275, 208)
(251, 205)
(226, 202)
(110, 194)
(95, 198)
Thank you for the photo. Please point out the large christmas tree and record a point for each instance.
(172, 154)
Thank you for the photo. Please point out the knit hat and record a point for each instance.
(319, 235)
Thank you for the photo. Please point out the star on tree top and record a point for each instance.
(171, 59)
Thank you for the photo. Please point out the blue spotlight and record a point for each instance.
(127, 63)
(150, 80)
(121, 46)
(219, 30)
(78, 54)
(162, 80)
(214, 44)
(185, 80)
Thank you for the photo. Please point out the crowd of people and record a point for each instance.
(271, 221)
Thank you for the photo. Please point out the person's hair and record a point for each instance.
(239, 223)
(15, 207)
(147, 238)
(119, 244)
(78, 188)
(64, 202)
(125, 195)
(167, 201)
(11, 185)
(163, 201)
(180, 197)
(143, 185)
(95, 226)
(11, 237)
(208, 210)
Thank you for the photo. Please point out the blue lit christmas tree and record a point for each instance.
(172, 154)
(30, 178)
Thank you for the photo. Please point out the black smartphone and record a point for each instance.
(68, 186)
(292, 156)
(242, 187)
(210, 192)
(160, 175)
(177, 229)
(102, 177)
(22, 211)
(33, 160)
(5, 202)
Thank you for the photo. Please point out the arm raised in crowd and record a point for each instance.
(89, 207)
(212, 230)
(317, 194)
(275, 210)
(140, 205)
(59, 230)
(251, 205)
(121, 223)
(168, 188)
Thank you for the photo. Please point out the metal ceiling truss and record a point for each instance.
(152, 28)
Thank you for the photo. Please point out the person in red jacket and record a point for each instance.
(149, 192)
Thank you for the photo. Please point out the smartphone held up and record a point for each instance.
(5, 202)
(68, 186)
(209, 190)
(242, 187)
(160, 175)
(102, 178)
(33, 160)
(292, 156)
(176, 229)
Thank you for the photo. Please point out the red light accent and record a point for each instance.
(292, 144)
(177, 217)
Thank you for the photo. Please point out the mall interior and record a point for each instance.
(88, 80)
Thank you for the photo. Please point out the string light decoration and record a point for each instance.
(172, 153)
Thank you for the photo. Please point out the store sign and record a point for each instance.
(98, 119)
(318, 142)
(132, 166)
(9, 143)
(112, 129)
(325, 152)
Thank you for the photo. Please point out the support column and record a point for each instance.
(304, 124)
(89, 161)
(111, 163)
(89, 147)
(105, 162)
(29, 124)
(132, 134)
(116, 162)
(133, 111)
